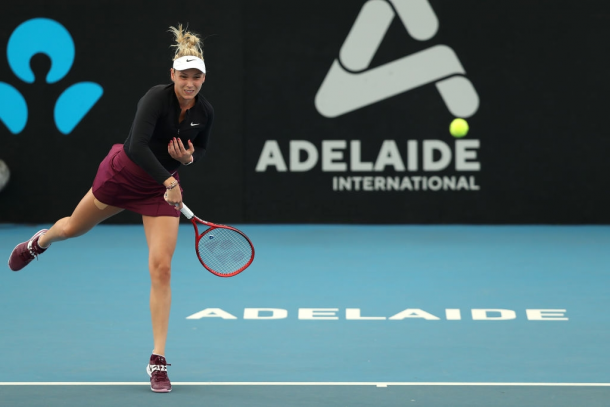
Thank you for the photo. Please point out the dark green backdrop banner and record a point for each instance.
(326, 111)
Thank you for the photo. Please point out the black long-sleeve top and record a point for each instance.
(157, 122)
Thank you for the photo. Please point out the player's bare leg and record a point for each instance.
(161, 236)
(88, 213)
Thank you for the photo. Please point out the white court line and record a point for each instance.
(378, 384)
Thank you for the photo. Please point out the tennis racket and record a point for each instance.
(222, 250)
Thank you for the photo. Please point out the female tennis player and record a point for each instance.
(170, 129)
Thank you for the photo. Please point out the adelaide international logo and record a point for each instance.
(46, 36)
(424, 163)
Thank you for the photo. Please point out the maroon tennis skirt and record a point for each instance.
(122, 183)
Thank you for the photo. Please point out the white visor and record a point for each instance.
(189, 62)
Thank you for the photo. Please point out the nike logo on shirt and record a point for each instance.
(195, 124)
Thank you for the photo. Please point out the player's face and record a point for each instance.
(187, 83)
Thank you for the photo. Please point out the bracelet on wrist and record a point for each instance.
(190, 162)
(172, 185)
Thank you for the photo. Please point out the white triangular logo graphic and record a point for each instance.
(353, 87)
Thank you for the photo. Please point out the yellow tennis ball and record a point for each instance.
(458, 128)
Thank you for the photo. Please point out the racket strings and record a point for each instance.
(224, 250)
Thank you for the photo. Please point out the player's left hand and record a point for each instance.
(177, 151)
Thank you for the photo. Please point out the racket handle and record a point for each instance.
(186, 211)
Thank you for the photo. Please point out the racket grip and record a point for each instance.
(186, 211)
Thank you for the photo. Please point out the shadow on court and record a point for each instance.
(295, 396)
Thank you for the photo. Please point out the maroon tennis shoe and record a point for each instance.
(25, 252)
(157, 370)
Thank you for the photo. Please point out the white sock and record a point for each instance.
(38, 242)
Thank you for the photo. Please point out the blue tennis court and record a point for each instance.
(326, 315)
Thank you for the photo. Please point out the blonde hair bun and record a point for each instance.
(187, 43)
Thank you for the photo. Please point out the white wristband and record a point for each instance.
(190, 162)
